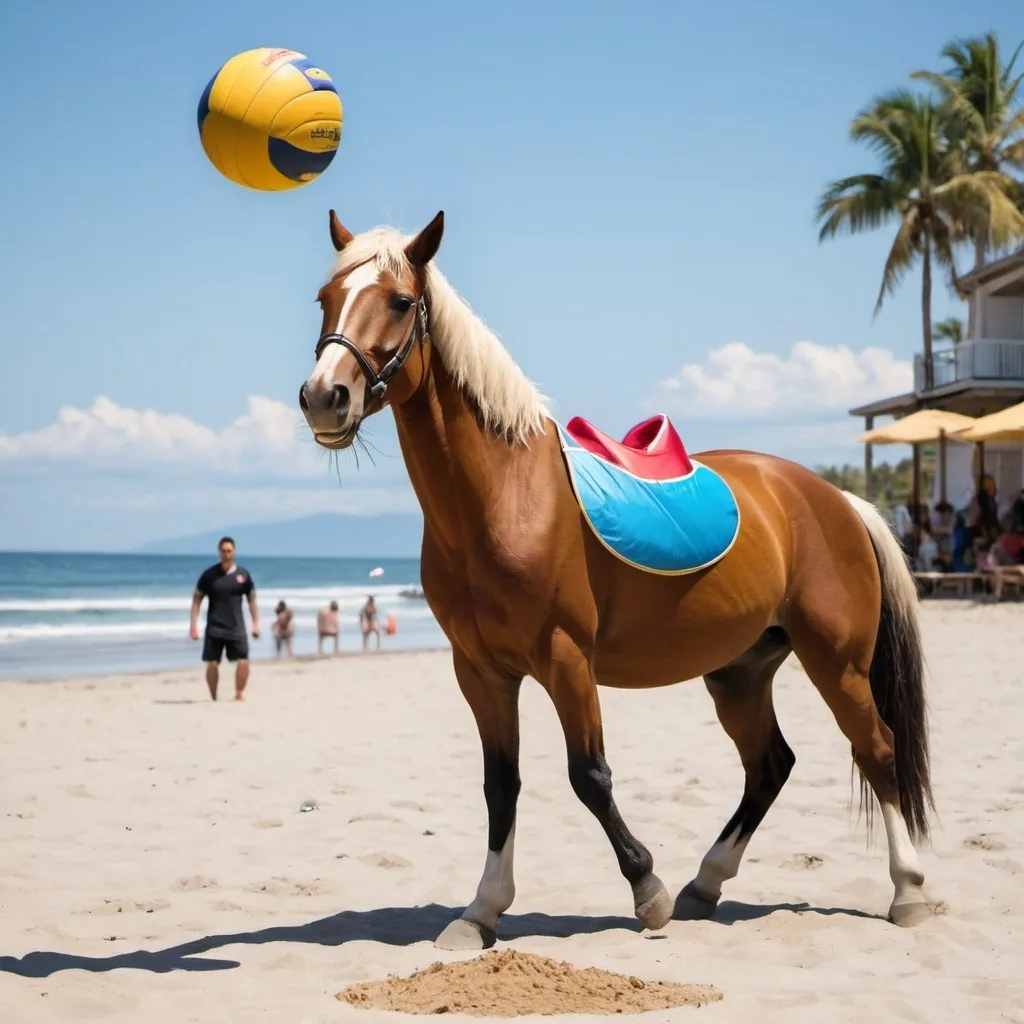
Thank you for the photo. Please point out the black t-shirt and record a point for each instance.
(225, 591)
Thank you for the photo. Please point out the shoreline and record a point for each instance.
(226, 667)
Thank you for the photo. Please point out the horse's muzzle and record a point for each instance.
(328, 411)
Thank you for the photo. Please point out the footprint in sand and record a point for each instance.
(1011, 867)
(385, 860)
(267, 823)
(823, 783)
(375, 817)
(804, 862)
(412, 805)
(226, 905)
(536, 794)
(193, 883)
(126, 907)
(687, 798)
(286, 887)
(647, 796)
(984, 841)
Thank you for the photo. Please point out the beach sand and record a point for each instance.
(155, 865)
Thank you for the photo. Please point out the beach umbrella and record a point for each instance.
(1006, 425)
(919, 428)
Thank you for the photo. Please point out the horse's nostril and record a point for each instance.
(303, 401)
(340, 398)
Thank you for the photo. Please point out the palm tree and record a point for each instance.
(923, 188)
(985, 97)
(951, 329)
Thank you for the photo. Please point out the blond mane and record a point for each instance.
(509, 403)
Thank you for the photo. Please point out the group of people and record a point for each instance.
(945, 539)
(223, 586)
(328, 626)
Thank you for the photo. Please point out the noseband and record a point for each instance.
(378, 382)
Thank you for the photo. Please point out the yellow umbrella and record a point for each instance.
(919, 428)
(1006, 425)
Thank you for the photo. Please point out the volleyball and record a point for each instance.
(270, 119)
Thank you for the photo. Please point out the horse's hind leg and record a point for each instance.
(841, 674)
(742, 692)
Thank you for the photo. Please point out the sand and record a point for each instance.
(513, 984)
(155, 863)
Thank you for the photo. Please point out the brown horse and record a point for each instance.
(521, 586)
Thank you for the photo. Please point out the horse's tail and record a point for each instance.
(897, 674)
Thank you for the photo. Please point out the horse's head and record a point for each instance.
(374, 319)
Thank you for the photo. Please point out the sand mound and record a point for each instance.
(511, 984)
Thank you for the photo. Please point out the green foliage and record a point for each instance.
(951, 329)
(892, 484)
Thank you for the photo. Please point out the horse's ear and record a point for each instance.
(340, 235)
(422, 249)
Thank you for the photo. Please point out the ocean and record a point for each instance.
(66, 615)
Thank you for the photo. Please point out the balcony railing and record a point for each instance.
(981, 359)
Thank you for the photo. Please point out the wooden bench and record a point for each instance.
(961, 584)
(1005, 579)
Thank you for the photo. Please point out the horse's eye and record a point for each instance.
(400, 304)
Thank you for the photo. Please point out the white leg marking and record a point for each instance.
(721, 863)
(497, 889)
(904, 867)
(323, 375)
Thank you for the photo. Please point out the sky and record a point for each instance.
(629, 195)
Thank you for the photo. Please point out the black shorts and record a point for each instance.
(236, 648)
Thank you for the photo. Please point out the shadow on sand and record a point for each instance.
(395, 926)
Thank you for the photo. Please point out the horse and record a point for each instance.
(521, 585)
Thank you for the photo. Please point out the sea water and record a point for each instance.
(90, 614)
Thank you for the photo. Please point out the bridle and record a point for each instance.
(377, 383)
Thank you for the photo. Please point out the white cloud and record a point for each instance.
(109, 434)
(734, 382)
(255, 504)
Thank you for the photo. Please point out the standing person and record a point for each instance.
(904, 526)
(327, 626)
(368, 622)
(224, 585)
(284, 628)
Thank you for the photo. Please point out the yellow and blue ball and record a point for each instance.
(270, 119)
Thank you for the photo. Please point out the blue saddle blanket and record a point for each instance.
(670, 527)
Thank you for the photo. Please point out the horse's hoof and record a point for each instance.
(464, 934)
(912, 911)
(653, 908)
(693, 905)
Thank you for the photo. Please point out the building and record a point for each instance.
(981, 375)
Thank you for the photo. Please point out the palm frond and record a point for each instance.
(858, 203)
(950, 329)
(905, 247)
(984, 203)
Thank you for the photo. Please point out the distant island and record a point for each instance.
(391, 535)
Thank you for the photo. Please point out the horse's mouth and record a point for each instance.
(335, 439)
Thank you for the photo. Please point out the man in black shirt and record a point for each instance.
(224, 585)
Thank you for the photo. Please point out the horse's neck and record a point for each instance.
(457, 468)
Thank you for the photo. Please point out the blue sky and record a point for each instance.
(628, 190)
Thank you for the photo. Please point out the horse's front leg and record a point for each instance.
(569, 680)
(494, 700)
